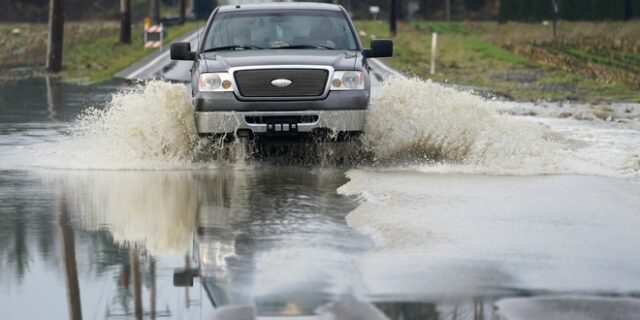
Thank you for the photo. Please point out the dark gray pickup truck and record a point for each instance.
(280, 69)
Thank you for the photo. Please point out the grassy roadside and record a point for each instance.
(92, 52)
(588, 62)
(100, 59)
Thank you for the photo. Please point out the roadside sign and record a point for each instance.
(374, 10)
(153, 35)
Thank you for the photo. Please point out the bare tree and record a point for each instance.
(152, 288)
(554, 10)
(155, 11)
(137, 281)
(125, 21)
(183, 10)
(393, 18)
(56, 35)
(69, 262)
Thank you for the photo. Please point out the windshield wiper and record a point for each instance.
(306, 46)
(233, 47)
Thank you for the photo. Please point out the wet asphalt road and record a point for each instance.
(106, 244)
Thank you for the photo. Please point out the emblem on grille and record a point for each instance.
(281, 83)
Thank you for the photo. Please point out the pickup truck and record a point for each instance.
(280, 69)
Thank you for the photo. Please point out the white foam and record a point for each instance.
(413, 118)
(510, 210)
(412, 123)
(436, 129)
(146, 126)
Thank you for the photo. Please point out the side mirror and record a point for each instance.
(182, 51)
(184, 278)
(379, 49)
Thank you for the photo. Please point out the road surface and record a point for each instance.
(463, 208)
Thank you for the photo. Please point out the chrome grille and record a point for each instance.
(304, 82)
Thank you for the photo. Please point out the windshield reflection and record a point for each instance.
(283, 29)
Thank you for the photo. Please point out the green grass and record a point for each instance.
(28, 45)
(587, 56)
(495, 57)
(461, 57)
(92, 52)
(493, 52)
(441, 27)
(455, 47)
(98, 60)
(617, 25)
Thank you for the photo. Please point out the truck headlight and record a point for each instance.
(347, 80)
(220, 81)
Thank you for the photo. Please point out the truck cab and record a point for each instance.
(280, 69)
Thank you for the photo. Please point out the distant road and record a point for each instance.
(158, 65)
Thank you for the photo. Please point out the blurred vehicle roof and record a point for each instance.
(280, 6)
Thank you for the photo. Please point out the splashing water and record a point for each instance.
(441, 221)
(150, 126)
(413, 118)
(146, 125)
(417, 122)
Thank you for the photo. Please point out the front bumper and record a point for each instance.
(229, 122)
(228, 101)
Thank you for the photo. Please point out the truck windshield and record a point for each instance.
(288, 29)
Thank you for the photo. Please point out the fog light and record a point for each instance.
(226, 84)
(336, 83)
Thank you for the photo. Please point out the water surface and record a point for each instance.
(456, 210)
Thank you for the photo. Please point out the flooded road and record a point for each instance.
(455, 210)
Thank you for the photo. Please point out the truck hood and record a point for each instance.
(222, 61)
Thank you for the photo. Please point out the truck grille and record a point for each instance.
(304, 82)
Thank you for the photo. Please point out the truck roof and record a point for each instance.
(280, 6)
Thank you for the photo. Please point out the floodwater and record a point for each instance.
(454, 208)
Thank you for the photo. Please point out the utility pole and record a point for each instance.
(628, 9)
(54, 96)
(155, 11)
(393, 18)
(183, 11)
(447, 9)
(56, 35)
(69, 262)
(554, 9)
(125, 21)
(137, 282)
(152, 288)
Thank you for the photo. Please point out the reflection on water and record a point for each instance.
(55, 92)
(476, 309)
(278, 239)
(108, 244)
(121, 234)
(156, 210)
(48, 98)
(271, 237)
(68, 246)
